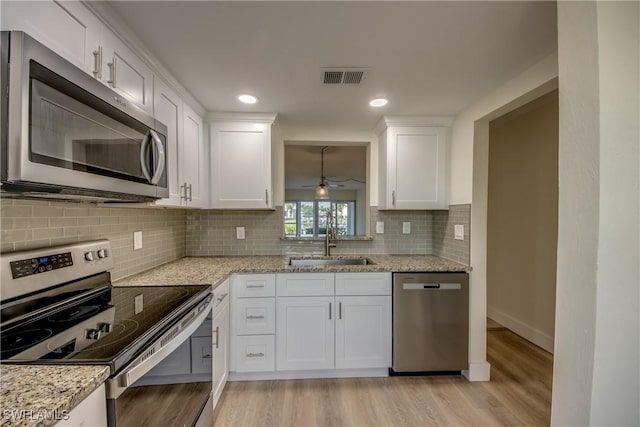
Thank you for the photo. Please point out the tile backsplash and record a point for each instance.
(27, 224)
(170, 234)
(213, 233)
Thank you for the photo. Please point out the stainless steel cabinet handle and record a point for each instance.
(255, 317)
(183, 187)
(217, 332)
(112, 73)
(190, 193)
(330, 311)
(254, 286)
(393, 197)
(340, 310)
(97, 63)
(207, 356)
(266, 196)
(255, 355)
(222, 297)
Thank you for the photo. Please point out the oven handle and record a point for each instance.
(164, 345)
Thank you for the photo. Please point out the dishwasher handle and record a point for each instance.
(437, 286)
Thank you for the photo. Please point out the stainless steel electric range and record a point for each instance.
(58, 307)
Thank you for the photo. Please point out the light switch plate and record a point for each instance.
(380, 227)
(239, 233)
(137, 240)
(406, 228)
(458, 232)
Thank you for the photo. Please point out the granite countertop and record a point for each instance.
(214, 270)
(40, 395)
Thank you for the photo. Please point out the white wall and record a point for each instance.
(468, 178)
(596, 364)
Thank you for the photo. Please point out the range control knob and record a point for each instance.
(88, 256)
(102, 253)
(105, 327)
(93, 334)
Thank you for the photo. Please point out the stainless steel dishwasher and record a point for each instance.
(430, 322)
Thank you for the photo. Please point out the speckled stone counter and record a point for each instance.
(214, 270)
(30, 395)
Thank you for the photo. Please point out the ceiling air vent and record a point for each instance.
(344, 76)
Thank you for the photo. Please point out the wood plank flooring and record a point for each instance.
(519, 393)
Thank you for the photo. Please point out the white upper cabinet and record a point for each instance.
(167, 106)
(126, 73)
(70, 29)
(67, 28)
(194, 176)
(413, 163)
(241, 161)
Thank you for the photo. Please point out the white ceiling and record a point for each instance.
(428, 58)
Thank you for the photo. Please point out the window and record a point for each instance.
(304, 218)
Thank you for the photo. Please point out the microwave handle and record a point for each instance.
(143, 155)
(158, 148)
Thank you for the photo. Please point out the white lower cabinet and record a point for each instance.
(363, 332)
(220, 350)
(326, 324)
(305, 333)
(92, 411)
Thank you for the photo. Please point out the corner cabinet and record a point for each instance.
(241, 161)
(413, 165)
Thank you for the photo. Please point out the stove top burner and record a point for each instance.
(20, 340)
(75, 314)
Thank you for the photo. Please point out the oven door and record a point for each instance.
(170, 382)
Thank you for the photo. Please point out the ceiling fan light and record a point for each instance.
(322, 192)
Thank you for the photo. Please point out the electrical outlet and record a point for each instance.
(406, 228)
(458, 232)
(138, 304)
(137, 240)
(239, 233)
(380, 227)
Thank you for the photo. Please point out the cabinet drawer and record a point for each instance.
(255, 353)
(255, 316)
(201, 351)
(305, 284)
(221, 293)
(363, 283)
(255, 285)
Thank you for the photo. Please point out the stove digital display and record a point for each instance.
(31, 266)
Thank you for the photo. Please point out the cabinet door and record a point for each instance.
(167, 107)
(241, 166)
(126, 73)
(363, 332)
(305, 333)
(255, 353)
(305, 284)
(363, 283)
(255, 316)
(220, 350)
(67, 28)
(193, 157)
(416, 168)
(254, 285)
(92, 411)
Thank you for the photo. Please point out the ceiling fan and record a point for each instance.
(322, 189)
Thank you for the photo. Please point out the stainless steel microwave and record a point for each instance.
(65, 135)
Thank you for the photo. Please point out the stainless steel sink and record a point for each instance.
(326, 262)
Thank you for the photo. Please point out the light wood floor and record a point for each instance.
(519, 393)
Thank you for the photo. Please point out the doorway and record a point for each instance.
(522, 220)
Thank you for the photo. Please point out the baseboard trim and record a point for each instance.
(478, 372)
(526, 331)
(299, 375)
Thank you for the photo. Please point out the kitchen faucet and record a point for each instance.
(330, 234)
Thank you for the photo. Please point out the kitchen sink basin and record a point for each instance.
(326, 262)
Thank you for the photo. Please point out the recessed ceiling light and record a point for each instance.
(378, 102)
(247, 99)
